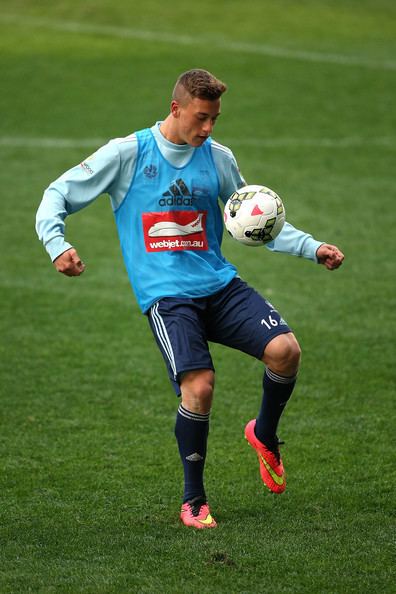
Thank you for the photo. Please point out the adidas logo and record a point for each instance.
(194, 457)
(177, 195)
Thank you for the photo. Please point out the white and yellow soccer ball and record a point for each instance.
(254, 215)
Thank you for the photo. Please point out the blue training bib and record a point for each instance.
(170, 226)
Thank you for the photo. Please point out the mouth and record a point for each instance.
(198, 140)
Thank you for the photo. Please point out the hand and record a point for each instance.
(330, 256)
(69, 263)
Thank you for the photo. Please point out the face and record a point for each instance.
(194, 120)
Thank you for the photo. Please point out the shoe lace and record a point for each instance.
(273, 446)
(195, 504)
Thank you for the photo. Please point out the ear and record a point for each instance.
(175, 108)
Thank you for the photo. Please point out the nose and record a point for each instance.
(207, 127)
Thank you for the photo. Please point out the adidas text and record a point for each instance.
(176, 201)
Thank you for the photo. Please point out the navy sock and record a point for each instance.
(277, 390)
(191, 432)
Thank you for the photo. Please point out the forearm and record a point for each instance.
(50, 223)
(295, 242)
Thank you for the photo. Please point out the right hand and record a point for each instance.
(69, 263)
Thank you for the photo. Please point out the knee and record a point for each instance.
(283, 354)
(197, 390)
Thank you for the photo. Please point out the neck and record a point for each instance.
(169, 132)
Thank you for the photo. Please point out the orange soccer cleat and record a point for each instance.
(196, 513)
(271, 467)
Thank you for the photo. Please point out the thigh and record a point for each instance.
(242, 319)
(180, 333)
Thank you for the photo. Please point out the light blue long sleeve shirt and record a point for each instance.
(110, 171)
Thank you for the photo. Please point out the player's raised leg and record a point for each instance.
(281, 357)
(191, 430)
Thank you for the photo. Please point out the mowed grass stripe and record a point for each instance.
(290, 142)
(189, 40)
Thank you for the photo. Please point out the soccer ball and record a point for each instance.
(254, 215)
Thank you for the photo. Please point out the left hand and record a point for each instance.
(330, 256)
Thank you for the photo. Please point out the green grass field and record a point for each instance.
(90, 477)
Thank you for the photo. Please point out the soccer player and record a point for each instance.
(164, 184)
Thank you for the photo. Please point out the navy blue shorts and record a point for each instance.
(237, 317)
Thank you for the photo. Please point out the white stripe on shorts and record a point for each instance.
(163, 337)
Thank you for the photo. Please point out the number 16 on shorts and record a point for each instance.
(271, 322)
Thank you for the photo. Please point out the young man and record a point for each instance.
(164, 183)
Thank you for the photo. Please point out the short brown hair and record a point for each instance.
(198, 83)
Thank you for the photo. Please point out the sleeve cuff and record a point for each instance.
(310, 248)
(56, 246)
